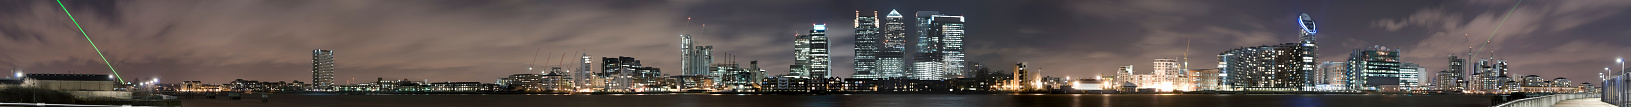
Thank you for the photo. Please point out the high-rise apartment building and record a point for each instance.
(322, 68)
(1271, 67)
(1452, 78)
(584, 77)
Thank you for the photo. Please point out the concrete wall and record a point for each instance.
(89, 94)
(72, 85)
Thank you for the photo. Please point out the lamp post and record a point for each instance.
(1620, 61)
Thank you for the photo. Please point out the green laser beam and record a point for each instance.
(1497, 28)
(88, 39)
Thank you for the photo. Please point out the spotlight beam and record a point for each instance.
(88, 39)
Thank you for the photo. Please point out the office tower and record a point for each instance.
(867, 45)
(1372, 68)
(892, 62)
(1271, 67)
(322, 69)
(585, 77)
(939, 48)
(617, 73)
(810, 54)
(694, 59)
(1410, 76)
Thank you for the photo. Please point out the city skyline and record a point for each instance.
(221, 47)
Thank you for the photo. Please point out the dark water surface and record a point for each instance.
(856, 100)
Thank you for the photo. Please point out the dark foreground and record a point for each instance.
(855, 100)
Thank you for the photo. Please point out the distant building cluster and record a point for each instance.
(938, 63)
(1292, 67)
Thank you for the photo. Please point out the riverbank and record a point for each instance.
(862, 100)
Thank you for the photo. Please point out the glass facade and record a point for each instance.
(1372, 68)
(939, 48)
(867, 45)
(694, 59)
(811, 58)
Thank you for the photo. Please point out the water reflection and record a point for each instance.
(875, 100)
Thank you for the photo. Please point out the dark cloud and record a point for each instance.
(461, 40)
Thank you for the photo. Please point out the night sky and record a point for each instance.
(480, 40)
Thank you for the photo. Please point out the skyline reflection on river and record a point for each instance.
(863, 100)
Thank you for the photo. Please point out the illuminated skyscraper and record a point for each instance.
(867, 45)
(811, 55)
(939, 47)
(322, 68)
(694, 60)
(1271, 67)
(892, 62)
(584, 76)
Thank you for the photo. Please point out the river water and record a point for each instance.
(855, 100)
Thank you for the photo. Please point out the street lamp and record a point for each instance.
(1620, 61)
